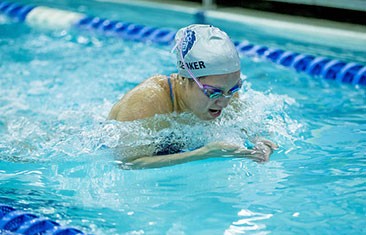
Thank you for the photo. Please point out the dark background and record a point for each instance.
(321, 12)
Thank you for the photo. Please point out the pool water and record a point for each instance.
(57, 155)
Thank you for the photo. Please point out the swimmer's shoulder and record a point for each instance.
(162, 80)
(145, 100)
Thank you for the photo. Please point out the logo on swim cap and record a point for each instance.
(188, 41)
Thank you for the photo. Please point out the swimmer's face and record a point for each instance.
(204, 107)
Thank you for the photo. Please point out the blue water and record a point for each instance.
(57, 154)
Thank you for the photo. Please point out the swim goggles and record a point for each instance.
(210, 91)
(215, 93)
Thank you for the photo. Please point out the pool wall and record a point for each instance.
(316, 66)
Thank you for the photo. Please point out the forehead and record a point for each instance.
(222, 80)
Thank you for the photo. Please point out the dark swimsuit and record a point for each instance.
(171, 91)
(170, 143)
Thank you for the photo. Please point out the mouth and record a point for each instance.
(215, 112)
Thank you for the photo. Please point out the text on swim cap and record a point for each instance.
(192, 65)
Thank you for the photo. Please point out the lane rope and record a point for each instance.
(316, 66)
(16, 222)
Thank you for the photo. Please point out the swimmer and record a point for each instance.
(207, 81)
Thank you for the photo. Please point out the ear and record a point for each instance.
(186, 82)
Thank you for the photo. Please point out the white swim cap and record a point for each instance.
(205, 50)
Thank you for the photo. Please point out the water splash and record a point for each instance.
(50, 108)
(76, 132)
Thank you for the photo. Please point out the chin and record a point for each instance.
(207, 117)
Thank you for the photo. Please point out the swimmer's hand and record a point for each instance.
(260, 153)
(263, 149)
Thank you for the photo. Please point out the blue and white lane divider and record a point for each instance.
(16, 222)
(45, 17)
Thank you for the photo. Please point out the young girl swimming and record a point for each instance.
(207, 81)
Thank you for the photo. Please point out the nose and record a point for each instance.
(223, 101)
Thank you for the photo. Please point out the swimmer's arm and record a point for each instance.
(164, 160)
(260, 153)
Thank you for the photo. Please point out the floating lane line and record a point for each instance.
(316, 66)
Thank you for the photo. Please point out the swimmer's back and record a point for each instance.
(145, 100)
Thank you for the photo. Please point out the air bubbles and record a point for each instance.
(82, 40)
